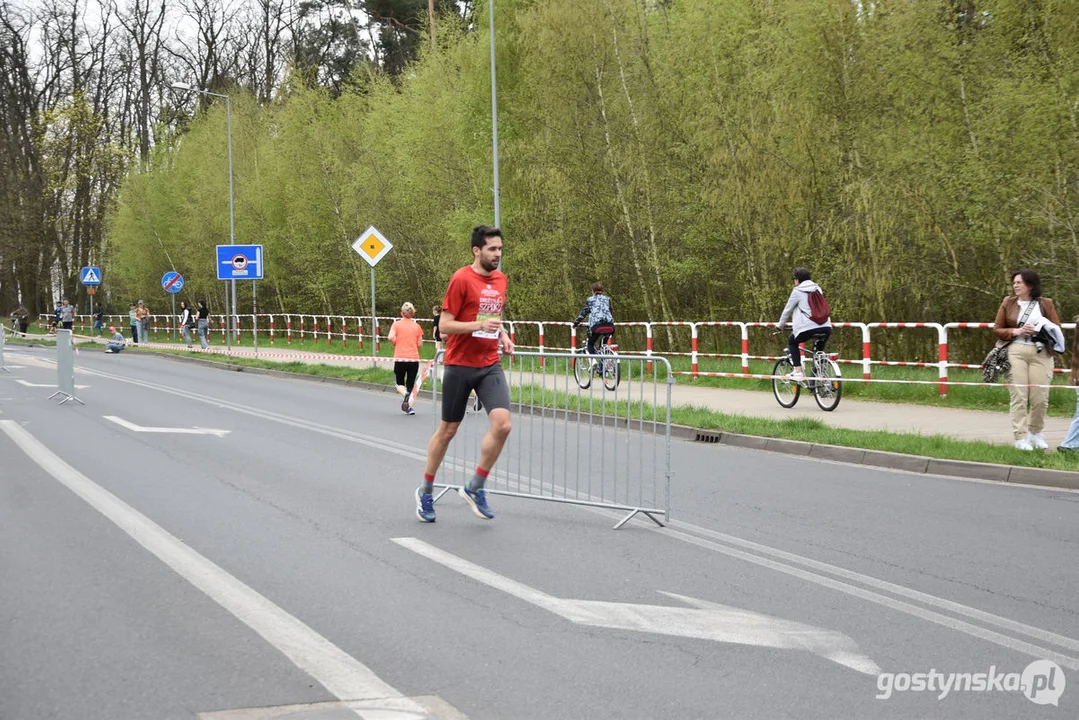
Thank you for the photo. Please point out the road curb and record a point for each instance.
(886, 460)
(1010, 474)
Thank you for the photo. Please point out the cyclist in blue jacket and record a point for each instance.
(600, 317)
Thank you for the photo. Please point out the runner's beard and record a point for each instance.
(488, 265)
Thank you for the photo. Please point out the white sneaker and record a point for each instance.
(1024, 444)
(1037, 440)
(798, 374)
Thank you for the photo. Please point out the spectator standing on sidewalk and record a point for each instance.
(21, 317)
(204, 325)
(142, 314)
(406, 336)
(133, 318)
(1071, 442)
(436, 313)
(1016, 323)
(67, 315)
(187, 322)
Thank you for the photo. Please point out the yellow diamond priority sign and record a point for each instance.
(372, 246)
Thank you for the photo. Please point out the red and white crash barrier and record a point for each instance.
(310, 324)
(942, 347)
(877, 381)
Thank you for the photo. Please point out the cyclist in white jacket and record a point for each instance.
(798, 311)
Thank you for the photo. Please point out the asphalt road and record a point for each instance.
(279, 563)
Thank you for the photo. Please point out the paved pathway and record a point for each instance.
(992, 426)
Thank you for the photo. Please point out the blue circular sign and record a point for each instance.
(173, 282)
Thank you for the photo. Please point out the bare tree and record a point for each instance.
(208, 58)
(143, 20)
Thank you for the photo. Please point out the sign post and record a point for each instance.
(255, 315)
(91, 278)
(240, 262)
(372, 246)
(172, 282)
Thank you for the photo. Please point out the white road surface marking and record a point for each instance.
(780, 564)
(46, 385)
(345, 677)
(176, 431)
(704, 620)
(905, 607)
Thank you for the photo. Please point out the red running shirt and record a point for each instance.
(471, 296)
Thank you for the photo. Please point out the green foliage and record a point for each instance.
(687, 153)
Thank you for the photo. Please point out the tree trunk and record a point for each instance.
(627, 218)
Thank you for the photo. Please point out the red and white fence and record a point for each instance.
(340, 329)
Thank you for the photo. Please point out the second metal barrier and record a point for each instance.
(585, 446)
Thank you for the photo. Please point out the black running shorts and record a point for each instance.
(459, 380)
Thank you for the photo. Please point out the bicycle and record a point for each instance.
(608, 366)
(823, 380)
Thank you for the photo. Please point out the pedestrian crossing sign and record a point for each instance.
(372, 246)
(90, 276)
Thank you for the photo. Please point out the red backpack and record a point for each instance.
(819, 309)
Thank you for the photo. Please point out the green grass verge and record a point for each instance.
(26, 342)
(1061, 403)
(804, 429)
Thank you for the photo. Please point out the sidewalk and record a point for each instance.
(851, 414)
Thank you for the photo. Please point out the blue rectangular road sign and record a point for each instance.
(90, 276)
(239, 262)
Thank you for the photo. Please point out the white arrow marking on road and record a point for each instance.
(705, 620)
(178, 431)
(47, 385)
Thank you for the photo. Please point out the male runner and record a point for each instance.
(471, 322)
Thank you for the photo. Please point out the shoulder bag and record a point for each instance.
(996, 363)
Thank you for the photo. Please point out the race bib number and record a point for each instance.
(483, 333)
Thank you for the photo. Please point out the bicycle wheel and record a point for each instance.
(827, 390)
(785, 390)
(582, 371)
(612, 369)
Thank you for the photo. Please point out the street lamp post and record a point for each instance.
(232, 214)
(494, 118)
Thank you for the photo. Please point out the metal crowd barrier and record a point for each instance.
(65, 367)
(596, 447)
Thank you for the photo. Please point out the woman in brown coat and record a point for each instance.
(1031, 363)
(1071, 442)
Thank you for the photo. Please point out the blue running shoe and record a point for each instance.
(478, 500)
(425, 506)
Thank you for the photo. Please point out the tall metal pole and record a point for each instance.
(494, 117)
(232, 215)
(374, 318)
